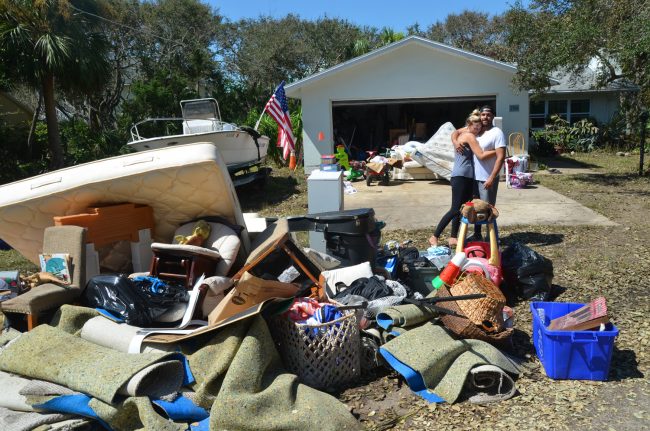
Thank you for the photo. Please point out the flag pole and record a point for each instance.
(260, 119)
(264, 110)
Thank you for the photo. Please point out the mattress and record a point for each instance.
(179, 183)
(437, 154)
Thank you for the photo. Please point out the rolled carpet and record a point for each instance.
(118, 336)
(429, 356)
(50, 354)
(404, 316)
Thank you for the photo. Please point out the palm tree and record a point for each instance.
(54, 44)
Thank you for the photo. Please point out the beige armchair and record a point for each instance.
(56, 239)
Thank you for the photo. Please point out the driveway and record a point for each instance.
(421, 204)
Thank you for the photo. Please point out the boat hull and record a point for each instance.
(236, 147)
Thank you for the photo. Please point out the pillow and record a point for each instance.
(346, 276)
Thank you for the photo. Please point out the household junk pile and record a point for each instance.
(159, 305)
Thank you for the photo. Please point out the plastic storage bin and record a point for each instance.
(579, 355)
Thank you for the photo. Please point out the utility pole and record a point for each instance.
(644, 123)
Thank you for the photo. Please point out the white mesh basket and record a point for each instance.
(324, 356)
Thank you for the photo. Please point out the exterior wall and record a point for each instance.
(411, 71)
(11, 113)
(603, 105)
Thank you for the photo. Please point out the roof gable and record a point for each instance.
(293, 88)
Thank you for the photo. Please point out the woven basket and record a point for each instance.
(488, 309)
(324, 356)
(464, 328)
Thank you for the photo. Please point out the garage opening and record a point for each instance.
(379, 124)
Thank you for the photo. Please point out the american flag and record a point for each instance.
(278, 108)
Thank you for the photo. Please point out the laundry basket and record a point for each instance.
(324, 356)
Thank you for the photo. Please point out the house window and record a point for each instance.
(537, 114)
(557, 107)
(579, 110)
(571, 110)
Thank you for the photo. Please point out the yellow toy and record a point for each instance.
(200, 233)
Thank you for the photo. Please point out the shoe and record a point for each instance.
(433, 241)
(474, 238)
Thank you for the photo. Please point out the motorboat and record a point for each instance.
(242, 148)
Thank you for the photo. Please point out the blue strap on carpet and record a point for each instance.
(412, 377)
(204, 425)
(384, 321)
(72, 404)
(182, 409)
(188, 377)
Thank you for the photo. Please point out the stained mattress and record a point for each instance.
(179, 183)
(437, 154)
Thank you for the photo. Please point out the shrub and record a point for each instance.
(559, 135)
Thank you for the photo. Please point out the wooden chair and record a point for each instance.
(56, 239)
(186, 263)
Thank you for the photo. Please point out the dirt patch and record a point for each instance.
(588, 262)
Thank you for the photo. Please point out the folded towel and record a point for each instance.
(10, 387)
(441, 363)
(404, 316)
(27, 421)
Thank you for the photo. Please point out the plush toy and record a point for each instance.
(38, 278)
(342, 157)
(478, 210)
(200, 233)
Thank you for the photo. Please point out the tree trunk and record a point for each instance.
(53, 138)
(32, 129)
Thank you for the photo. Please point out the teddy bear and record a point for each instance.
(478, 210)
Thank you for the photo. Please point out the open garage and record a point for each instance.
(403, 91)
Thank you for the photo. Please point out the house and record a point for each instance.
(12, 111)
(576, 97)
(406, 90)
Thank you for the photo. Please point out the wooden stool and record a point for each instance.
(182, 266)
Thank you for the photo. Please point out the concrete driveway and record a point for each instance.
(421, 204)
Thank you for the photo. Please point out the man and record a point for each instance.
(486, 172)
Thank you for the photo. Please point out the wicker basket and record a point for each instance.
(464, 328)
(481, 311)
(324, 356)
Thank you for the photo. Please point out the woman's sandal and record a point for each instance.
(433, 241)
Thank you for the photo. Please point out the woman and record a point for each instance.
(462, 176)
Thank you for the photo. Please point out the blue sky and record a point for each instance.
(378, 13)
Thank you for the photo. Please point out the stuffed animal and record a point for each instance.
(478, 210)
(200, 233)
(38, 278)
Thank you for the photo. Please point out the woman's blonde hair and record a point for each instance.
(474, 117)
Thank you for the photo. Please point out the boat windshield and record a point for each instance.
(200, 109)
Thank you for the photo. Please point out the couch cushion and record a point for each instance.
(44, 297)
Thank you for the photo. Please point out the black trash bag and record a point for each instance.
(528, 272)
(370, 288)
(125, 299)
(160, 294)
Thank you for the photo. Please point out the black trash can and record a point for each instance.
(352, 236)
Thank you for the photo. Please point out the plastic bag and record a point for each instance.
(530, 273)
(135, 303)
